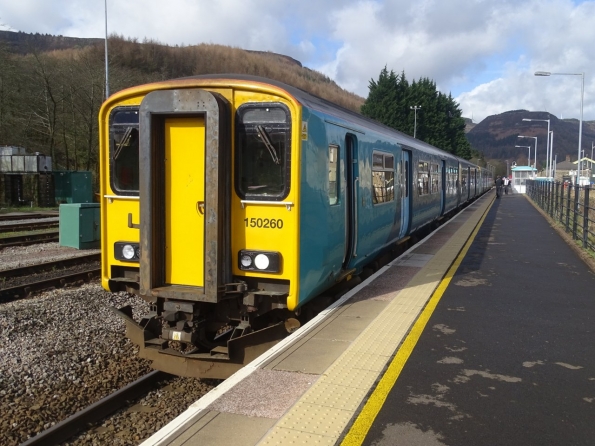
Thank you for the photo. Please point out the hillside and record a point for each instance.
(23, 43)
(150, 61)
(497, 135)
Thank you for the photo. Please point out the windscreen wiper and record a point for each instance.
(267, 142)
(125, 141)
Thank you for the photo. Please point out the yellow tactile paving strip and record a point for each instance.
(326, 409)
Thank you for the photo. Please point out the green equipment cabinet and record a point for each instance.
(79, 225)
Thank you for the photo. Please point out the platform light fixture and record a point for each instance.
(535, 153)
(106, 70)
(528, 155)
(580, 125)
(415, 108)
(552, 166)
(547, 153)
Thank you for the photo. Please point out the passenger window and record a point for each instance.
(383, 177)
(333, 171)
(124, 144)
(423, 178)
(436, 177)
(263, 151)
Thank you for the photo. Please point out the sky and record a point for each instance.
(483, 52)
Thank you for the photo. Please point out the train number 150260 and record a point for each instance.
(266, 223)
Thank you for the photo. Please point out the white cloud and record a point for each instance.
(485, 52)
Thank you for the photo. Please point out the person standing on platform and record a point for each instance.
(498, 186)
(506, 182)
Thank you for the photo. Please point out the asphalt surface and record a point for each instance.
(508, 356)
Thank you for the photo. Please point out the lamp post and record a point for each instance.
(415, 108)
(580, 124)
(552, 167)
(534, 154)
(106, 71)
(528, 155)
(547, 150)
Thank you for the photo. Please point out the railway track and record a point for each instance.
(49, 266)
(31, 226)
(24, 290)
(26, 216)
(29, 239)
(61, 432)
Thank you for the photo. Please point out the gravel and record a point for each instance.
(64, 349)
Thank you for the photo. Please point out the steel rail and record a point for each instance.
(40, 267)
(26, 216)
(31, 226)
(61, 432)
(24, 290)
(30, 239)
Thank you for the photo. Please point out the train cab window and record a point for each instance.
(383, 177)
(333, 170)
(124, 140)
(263, 135)
(423, 178)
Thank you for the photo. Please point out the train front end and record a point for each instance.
(199, 217)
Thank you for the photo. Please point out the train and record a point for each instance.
(234, 205)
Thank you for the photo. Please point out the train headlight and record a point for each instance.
(265, 261)
(246, 261)
(127, 251)
(261, 261)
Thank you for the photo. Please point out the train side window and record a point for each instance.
(436, 178)
(383, 177)
(263, 147)
(124, 144)
(453, 181)
(423, 178)
(333, 174)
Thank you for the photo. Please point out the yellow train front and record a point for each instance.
(182, 163)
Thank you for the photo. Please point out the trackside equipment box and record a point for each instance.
(79, 225)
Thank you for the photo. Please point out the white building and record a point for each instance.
(520, 175)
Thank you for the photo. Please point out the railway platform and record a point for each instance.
(483, 333)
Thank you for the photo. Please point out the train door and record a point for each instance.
(183, 204)
(353, 192)
(406, 188)
(184, 186)
(442, 187)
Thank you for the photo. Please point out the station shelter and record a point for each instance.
(520, 175)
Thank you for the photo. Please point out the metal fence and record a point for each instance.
(570, 205)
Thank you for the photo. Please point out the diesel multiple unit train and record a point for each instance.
(231, 202)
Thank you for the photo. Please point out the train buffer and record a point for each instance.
(482, 334)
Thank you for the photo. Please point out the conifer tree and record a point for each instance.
(439, 120)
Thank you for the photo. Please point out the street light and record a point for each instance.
(552, 167)
(580, 125)
(528, 155)
(106, 72)
(416, 108)
(547, 153)
(535, 154)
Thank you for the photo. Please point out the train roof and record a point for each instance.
(317, 103)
